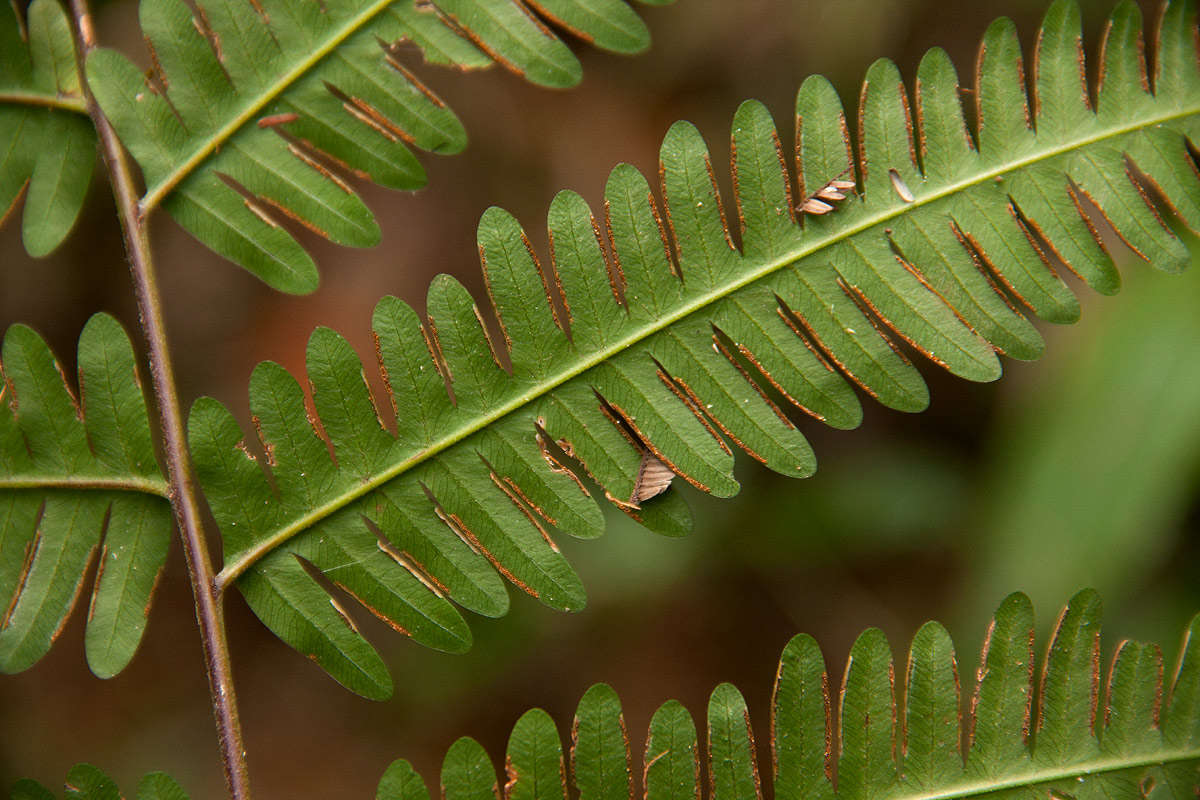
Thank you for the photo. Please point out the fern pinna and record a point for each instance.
(259, 114)
(79, 484)
(681, 335)
(1060, 733)
(48, 143)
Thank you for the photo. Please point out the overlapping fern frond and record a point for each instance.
(1067, 732)
(77, 478)
(258, 112)
(677, 337)
(46, 140)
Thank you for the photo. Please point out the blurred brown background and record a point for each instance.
(1077, 470)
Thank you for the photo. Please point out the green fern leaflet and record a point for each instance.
(77, 479)
(680, 337)
(85, 782)
(1066, 735)
(258, 111)
(46, 140)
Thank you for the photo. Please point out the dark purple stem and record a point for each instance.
(183, 495)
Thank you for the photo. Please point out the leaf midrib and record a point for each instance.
(1048, 774)
(156, 193)
(20, 97)
(247, 558)
(83, 481)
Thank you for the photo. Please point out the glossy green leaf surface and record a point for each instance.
(732, 768)
(259, 115)
(689, 328)
(672, 757)
(1120, 734)
(79, 485)
(534, 762)
(401, 782)
(600, 753)
(467, 773)
(47, 145)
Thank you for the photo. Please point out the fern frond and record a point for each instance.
(46, 139)
(672, 344)
(1125, 738)
(76, 478)
(85, 782)
(1066, 731)
(254, 109)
